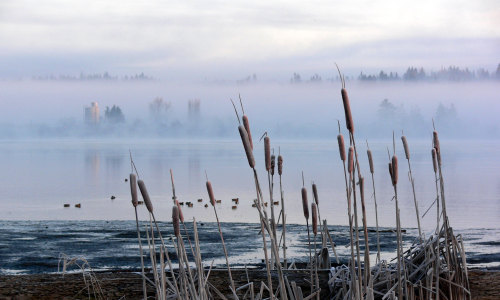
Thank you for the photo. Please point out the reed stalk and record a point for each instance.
(305, 208)
(135, 201)
(212, 201)
(372, 171)
(280, 172)
(412, 181)
(353, 288)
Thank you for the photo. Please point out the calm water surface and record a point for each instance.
(41, 175)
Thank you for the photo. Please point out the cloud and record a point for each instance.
(216, 38)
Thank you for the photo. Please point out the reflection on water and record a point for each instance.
(46, 174)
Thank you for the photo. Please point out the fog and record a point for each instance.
(55, 109)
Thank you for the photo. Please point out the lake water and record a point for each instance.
(40, 176)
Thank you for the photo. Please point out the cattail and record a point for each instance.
(175, 220)
(370, 160)
(340, 139)
(280, 164)
(133, 189)
(362, 189)
(181, 216)
(435, 139)
(390, 171)
(405, 146)
(315, 193)
(350, 164)
(247, 128)
(210, 193)
(267, 152)
(247, 146)
(347, 111)
(305, 206)
(273, 164)
(434, 160)
(314, 218)
(145, 195)
(394, 170)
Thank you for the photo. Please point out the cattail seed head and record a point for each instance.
(247, 146)
(280, 164)
(350, 162)
(394, 170)
(145, 195)
(435, 140)
(273, 164)
(347, 111)
(210, 193)
(370, 160)
(314, 218)
(315, 193)
(340, 139)
(133, 189)
(305, 206)
(247, 128)
(434, 160)
(405, 146)
(175, 220)
(362, 188)
(181, 216)
(267, 152)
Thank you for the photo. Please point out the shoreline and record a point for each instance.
(484, 284)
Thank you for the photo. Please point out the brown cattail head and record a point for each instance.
(315, 193)
(394, 170)
(133, 189)
(435, 140)
(175, 220)
(247, 146)
(405, 146)
(347, 111)
(273, 163)
(434, 160)
(145, 195)
(314, 218)
(350, 162)
(340, 139)
(267, 152)
(181, 216)
(390, 171)
(305, 206)
(210, 193)
(370, 160)
(247, 128)
(362, 189)
(280, 164)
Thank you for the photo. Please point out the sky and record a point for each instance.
(222, 40)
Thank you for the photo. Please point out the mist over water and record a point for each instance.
(40, 109)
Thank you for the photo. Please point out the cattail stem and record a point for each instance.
(351, 234)
(144, 291)
(283, 220)
(225, 251)
(310, 255)
(365, 228)
(407, 154)
(376, 219)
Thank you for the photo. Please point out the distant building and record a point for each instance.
(92, 114)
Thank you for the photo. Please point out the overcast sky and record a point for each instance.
(197, 40)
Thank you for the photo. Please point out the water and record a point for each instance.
(36, 246)
(41, 175)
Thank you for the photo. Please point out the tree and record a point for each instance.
(114, 115)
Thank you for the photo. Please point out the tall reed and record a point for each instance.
(407, 154)
(372, 171)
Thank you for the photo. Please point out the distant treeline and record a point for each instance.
(452, 73)
(94, 77)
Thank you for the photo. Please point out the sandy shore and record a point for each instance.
(484, 285)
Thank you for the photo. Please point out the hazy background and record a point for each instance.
(57, 57)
